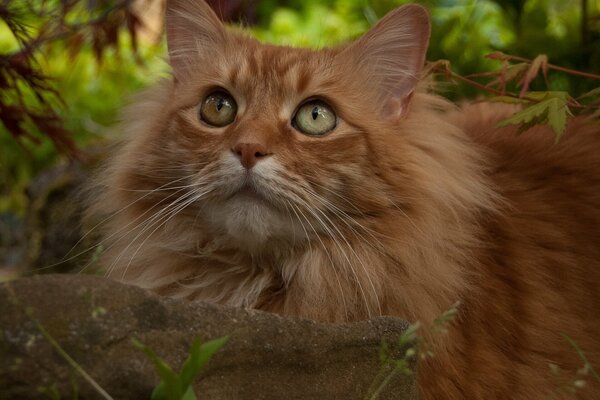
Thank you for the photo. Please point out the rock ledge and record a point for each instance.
(94, 319)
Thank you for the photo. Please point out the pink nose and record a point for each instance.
(249, 153)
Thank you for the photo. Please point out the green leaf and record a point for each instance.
(159, 392)
(178, 386)
(557, 116)
(200, 354)
(170, 380)
(552, 109)
(508, 74)
(592, 93)
(410, 334)
(531, 97)
(539, 96)
(189, 394)
(528, 117)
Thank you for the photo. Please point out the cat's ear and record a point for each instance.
(392, 53)
(194, 32)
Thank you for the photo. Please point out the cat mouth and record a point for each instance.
(250, 192)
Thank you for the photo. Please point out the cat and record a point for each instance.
(332, 185)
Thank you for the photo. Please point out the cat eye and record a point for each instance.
(314, 118)
(218, 109)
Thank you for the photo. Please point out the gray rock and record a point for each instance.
(52, 226)
(94, 319)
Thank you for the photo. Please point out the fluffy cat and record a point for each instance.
(328, 185)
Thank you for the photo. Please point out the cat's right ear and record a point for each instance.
(194, 32)
(392, 56)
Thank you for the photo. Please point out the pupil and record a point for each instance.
(315, 113)
(220, 104)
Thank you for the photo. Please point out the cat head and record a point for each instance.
(266, 142)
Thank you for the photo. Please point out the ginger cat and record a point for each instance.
(328, 185)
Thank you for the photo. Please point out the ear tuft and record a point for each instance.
(393, 52)
(193, 32)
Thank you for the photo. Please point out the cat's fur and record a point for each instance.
(406, 207)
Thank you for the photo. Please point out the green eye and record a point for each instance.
(314, 118)
(218, 109)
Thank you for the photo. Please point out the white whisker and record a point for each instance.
(154, 219)
(333, 265)
(191, 200)
(340, 247)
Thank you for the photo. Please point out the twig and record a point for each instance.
(67, 30)
(508, 57)
(445, 69)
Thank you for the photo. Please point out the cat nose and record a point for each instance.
(250, 153)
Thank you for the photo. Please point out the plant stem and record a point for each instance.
(385, 382)
(552, 66)
(581, 355)
(70, 360)
(488, 89)
(59, 349)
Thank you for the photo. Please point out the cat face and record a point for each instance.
(274, 143)
(290, 146)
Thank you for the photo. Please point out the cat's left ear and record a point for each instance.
(393, 53)
(194, 34)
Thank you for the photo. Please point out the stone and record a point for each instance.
(94, 320)
(48, 236)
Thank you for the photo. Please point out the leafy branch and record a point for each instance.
(28, 100)
(552, 108)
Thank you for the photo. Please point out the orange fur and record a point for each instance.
(407, 206)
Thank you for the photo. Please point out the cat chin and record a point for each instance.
(245, 212)
(251, 223)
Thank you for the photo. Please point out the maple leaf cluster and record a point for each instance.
(552, 108)
(28, 99)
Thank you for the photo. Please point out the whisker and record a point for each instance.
(105, 220)
(287, 209)
(302, 225)
(312, 182)
(191, 200)
(341, 236)
(151, 222)
(125, 227)
(333, 265)
(343, 216)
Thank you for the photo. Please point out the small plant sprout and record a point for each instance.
(178, 386)
(570, 385)
(409, 345)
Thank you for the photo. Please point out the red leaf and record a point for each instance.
(540, 61)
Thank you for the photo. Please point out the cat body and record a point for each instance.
(405, 204)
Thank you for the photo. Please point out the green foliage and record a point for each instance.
(312, 24)
(571, 385)
(391, 366)
(93, 96)
(463, 31)
(412, 344)
(178, 386)
(549, 108)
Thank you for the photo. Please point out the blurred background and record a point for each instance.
(67, 67)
